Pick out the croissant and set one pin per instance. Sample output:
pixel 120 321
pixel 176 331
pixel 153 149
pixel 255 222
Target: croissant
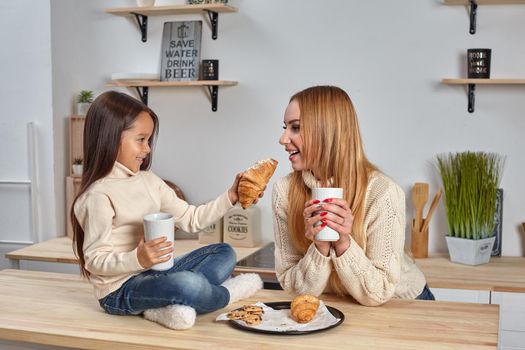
pixel 304 307
pixel 254 180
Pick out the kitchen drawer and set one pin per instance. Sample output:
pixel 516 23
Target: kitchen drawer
pixel 511 311
pixel 462 295
pixel 511 340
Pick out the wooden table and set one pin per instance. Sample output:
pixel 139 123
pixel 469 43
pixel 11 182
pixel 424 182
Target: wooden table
pixel 59 309
pixel 60 250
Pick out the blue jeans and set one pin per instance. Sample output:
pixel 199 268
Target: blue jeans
pixel 426 294
pixel 194 280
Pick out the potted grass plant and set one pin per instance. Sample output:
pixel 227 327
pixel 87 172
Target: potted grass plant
pixel 84 101
pixel 470 182
pixel 77 166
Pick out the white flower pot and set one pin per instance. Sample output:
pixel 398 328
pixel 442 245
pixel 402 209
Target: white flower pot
pixel 470 251
pixel 77 169
pixel 82 108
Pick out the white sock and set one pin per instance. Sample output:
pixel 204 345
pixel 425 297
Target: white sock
pixel 243 286
pixel 172 316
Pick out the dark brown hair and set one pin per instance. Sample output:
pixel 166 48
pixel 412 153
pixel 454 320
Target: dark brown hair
pixel 110 114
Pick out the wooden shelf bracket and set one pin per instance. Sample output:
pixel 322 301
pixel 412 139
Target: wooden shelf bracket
pixel 142 22
pixel 473 15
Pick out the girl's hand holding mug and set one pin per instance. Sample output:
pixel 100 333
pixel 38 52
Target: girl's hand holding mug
pixel 153 252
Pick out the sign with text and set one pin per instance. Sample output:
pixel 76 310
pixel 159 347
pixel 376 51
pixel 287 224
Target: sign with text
pixel 181 50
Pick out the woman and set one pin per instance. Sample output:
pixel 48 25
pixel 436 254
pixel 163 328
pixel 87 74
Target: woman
pixel 321 135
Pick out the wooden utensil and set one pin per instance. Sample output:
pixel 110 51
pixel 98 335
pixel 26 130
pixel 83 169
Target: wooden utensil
pixel 419 244
pixel 431 210
pixel 419 198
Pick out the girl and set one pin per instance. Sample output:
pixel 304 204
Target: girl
pixel 321 135
pixel 117 191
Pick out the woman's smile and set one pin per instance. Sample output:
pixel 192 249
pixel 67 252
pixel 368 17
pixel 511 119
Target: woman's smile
pixel 291 138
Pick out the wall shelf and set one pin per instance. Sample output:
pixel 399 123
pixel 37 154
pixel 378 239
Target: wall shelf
pixel 473 4
pixel 484 2
pixel 473 82
pixel 142 87
pixel 141 14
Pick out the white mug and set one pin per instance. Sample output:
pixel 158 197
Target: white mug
pixel 159 225
pixel 322 193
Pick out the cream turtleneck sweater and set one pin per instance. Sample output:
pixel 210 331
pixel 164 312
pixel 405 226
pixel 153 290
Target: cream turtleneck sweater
pixel 373 277
pixel 111 211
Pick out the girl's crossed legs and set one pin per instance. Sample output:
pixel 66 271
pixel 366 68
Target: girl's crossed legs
pixel 194 280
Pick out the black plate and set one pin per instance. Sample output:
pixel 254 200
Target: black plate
pixel 280 305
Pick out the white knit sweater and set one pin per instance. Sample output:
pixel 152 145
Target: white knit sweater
pixel 373 277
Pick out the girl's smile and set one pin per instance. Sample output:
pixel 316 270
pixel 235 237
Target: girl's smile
pixel 134 143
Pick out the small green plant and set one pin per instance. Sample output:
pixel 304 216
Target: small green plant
pixel 470 181
pixel 85 96
pixel 77 161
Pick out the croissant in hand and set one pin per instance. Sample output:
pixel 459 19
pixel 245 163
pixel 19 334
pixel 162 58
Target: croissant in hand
pixel 304 307
pixel 254 180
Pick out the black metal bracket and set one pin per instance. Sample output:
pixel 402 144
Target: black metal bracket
pixel 143 93
pixel 142 21
pixel 214 20
pixel 473 14
pixel 471 97
pixel 213 91
pixel 214 95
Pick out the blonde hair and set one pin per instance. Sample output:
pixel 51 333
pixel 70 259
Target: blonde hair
pixel 333 151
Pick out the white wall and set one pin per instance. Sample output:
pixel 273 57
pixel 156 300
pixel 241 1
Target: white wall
pixel 26 96
pixel 389 56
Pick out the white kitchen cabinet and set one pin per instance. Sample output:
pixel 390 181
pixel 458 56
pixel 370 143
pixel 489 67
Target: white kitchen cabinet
pixel 510 340
pixel 511 312
pixel 511 319
pixel 462 295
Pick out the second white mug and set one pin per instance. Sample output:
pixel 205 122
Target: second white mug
pixel 159 225
pixel 322 193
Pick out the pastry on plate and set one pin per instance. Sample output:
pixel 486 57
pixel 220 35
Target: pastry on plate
pixel 251 314
pixel 304 307
pixel 254 180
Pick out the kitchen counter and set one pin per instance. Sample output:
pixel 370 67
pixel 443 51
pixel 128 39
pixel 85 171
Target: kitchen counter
pixel 501 274
pixel 504 274
pixel 60 250
pixel 59 309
